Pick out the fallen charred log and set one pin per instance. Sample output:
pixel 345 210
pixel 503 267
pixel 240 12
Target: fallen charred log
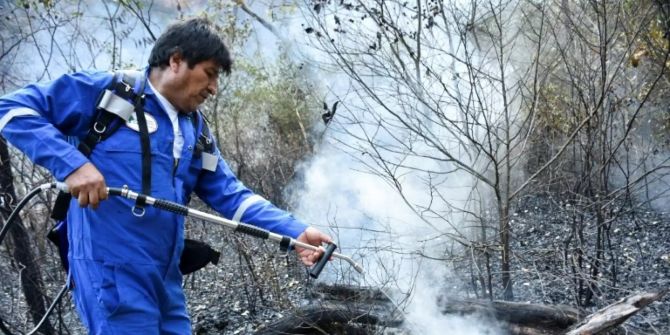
pixel 523 315
pixel 355 310
pixel 348 293
pixel 615 314
pixel 518 318
pixel 338 309
pixel 329 319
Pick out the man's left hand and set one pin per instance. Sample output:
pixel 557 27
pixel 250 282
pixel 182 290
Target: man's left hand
pixel 314 237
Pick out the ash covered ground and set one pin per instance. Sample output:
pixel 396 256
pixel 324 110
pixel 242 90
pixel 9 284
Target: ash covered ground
pixel 550 236
pixel 256 284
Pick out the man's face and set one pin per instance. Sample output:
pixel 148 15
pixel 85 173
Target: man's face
pixel 193 86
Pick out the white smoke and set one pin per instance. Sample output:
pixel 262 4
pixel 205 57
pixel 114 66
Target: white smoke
pixel 400 243
pixel 369 219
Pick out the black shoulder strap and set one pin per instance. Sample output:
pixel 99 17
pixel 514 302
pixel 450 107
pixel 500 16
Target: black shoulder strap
pixel 138 102
pixel 103 120
pixel 123 96
pixel 204 146
pixel 204 142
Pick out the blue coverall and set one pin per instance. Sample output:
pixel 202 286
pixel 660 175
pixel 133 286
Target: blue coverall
pixel 126 268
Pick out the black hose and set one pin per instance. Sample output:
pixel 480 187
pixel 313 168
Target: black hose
pixel 17 209
pixel 159 203
pixel 5 230
pixel 55 302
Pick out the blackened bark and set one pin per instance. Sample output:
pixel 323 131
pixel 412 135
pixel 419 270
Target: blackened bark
pixel 4 328
pixel 507 283
pixel 520 318
pixel 327 319
pixel 31 279
pixel 342 309
pixel 610 317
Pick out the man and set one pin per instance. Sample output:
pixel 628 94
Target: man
pixel 125 266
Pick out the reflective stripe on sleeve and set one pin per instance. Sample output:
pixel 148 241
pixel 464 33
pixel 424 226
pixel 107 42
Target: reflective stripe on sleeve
pixel 14 113
pixel 245 205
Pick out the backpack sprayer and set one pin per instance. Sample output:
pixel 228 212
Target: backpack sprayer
pixel 284 241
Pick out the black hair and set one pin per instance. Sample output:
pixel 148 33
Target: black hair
pixel 196 40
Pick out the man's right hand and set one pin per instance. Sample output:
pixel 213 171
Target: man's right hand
pixel 88 185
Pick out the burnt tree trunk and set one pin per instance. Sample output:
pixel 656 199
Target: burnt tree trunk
pixel 507 283
pixel 4 328
pixel 31 279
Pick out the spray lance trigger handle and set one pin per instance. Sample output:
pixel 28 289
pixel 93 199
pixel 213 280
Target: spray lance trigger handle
pixel 315 271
